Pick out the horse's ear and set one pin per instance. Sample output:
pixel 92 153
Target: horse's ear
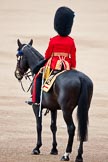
pixel 19 43
pixel 31 42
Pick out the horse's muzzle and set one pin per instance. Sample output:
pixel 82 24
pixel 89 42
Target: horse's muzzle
pixel 18 74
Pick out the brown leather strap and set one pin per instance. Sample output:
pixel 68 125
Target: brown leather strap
pixel 60 54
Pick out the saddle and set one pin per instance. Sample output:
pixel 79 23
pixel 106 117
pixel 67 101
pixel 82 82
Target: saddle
pixel 50 75
pixel 49 82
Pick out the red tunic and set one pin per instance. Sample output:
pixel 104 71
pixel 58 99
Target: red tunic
pixel 61 44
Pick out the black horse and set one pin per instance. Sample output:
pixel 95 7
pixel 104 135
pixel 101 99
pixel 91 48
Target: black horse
pixel 71 89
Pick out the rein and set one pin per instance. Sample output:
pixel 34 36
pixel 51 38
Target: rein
pixel 27 76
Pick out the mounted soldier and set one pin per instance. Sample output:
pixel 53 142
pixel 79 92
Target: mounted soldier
pixel 61 51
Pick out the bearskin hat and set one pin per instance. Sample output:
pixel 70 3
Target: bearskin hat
pixel 63 21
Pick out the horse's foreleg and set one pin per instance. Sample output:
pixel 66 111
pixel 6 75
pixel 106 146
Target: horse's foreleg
pixel 53 127
pixel 80 152
pixel 36 150
pixel 71 131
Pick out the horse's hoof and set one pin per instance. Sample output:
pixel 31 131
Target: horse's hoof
pixel 79 159
pixel 65 158
pixel 54 152
pixel 35 151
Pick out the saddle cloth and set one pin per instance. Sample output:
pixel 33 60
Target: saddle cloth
pixel 49 82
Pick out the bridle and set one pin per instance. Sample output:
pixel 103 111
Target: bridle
pixel 19 72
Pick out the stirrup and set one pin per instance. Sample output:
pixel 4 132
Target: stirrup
pixel 37 104
pixel 29 102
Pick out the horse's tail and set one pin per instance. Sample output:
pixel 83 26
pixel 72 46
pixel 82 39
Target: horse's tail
pixel 82 111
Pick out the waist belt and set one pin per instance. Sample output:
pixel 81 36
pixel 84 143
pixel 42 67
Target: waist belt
pixel 60 54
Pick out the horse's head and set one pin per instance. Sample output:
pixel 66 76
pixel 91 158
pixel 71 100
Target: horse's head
pixel 27 58
pixel 22 62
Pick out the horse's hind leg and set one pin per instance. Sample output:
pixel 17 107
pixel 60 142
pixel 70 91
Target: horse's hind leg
pixel 36 150
pixel 53 127
pixel 80 152
pixel 71 131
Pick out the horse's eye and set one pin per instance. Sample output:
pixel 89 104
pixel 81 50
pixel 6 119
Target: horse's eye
pixel 17 55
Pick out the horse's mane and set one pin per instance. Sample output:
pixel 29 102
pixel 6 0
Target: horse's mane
pixel 30 49
pixel 35 59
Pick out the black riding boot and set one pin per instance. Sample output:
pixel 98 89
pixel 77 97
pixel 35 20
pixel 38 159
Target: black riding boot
pixel 38 88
